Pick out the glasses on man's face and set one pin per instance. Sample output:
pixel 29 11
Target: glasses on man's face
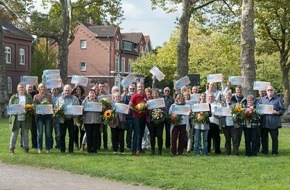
pixel 269 89
pixel 131 88
pixel 166 90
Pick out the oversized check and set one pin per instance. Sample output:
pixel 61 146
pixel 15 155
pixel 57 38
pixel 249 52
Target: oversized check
pixel 53 84
pixel 214 78
pixel 182 82
pixel 200 107
pixel 181 109
pixel 157 73
pixel 265 109
pixel 223 111
pixel 122 108
pixel 128 80
pixel 93 106
pixel 44 109
pixel 32 80
pixel 15 109
pixel 261 85
pixel 156 103
pixel 51 72
pixel 73 110
pixel 52 77
pixel 195 97
pixel 237 80
pixel 80 80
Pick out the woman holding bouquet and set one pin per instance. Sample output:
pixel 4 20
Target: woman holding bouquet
pixel 250 125
pixel 200 121
pixel 179 126
pixel 156 125
pixel 92 123
pixel 43 120
pixel 22 121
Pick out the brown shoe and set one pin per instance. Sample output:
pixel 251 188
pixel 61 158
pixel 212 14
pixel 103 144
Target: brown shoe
pixel 11 151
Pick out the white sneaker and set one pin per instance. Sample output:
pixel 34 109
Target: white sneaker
pixel 114 153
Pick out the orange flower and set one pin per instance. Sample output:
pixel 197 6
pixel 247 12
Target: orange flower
pixel 141 106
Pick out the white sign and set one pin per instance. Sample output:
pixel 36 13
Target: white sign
pixel 223 111
pixel 43 109
pixel 214 78
pixel 182 82
pixel 265 109
pixel 51 72
pixel 122 108
pixel 31 80
pixel 181 109
pixel 195 97
pixel 156 103
pixel 73 110
pixel 260 85
pixel 237 80
pixel 52 77
pixel 15 109
pixel 157 73
pixel 128 80
pixel 93 106
pixel 79 80
pixel 200 107
pixel 53 84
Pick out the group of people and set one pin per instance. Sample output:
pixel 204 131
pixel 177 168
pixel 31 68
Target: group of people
pixel 195 131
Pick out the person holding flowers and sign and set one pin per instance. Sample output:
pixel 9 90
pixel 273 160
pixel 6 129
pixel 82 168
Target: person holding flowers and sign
pixel 156 125
pixel 22 120
pixel 250 125
pixel 179 126
pixel 66 121
pixel 137 104
pixel 92 123
pixel 43 121
pixel 200 121
pixel 271 122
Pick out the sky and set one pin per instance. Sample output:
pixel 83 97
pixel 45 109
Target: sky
pixel 139 17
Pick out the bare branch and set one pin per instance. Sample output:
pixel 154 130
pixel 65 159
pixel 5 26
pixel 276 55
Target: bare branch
pixel 201 6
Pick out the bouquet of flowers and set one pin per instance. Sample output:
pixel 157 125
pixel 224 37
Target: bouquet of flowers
pixel 29 110
pixel 251 114
pixel 44 101
pixel 141 107
pixel 175 119
pixel 109 117
pixel 157 115
pixel 200 117
pixel 106 104
pixel 238 112
pixel 58 111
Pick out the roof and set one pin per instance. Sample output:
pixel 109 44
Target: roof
pixel 147 38
pixel 132 37
pixel 12 31
pixel 103 31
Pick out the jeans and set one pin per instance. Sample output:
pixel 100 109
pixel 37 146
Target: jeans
pixel 231 134
pixel 198 141
pixel 67 125
pixel 138 128
pixel 265 140
pixel 178 132
pixel 129 125
pixel 14 135
pixel 250 141
pixel 56 127
pixel 43 122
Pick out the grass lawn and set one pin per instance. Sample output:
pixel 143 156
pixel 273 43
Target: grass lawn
pixel 166 172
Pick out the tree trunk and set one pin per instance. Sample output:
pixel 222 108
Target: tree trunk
pixel 3 78
pixel 285 71
pixel 183 45
pixel 248 46
pixel 63 40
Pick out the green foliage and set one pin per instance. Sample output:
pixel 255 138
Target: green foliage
pixel 39 58
pixel 219 172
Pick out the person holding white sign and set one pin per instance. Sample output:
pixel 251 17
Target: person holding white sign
pixel 67 121
pixel 43 120
pixel 21 120
pixel 92 123
pixel 168 102
pixel 271 122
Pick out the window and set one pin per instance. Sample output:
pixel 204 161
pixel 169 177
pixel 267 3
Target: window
pixel 117 60
pixel 130 65
pixel 8 55
pixel 22 56
pixel 123 64
pixel 128 46
pixel 10 87
pixel 117 43
pixel 83 44
pixel 83 66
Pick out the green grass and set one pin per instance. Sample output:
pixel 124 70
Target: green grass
pixel 166 172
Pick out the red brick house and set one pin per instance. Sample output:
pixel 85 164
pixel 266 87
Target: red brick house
pixel 103 54
pixel 17 45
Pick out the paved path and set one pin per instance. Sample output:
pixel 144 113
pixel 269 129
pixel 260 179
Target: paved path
pixel 25 177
